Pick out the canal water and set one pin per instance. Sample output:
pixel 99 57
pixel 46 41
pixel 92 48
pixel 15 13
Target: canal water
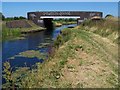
pixel 31 42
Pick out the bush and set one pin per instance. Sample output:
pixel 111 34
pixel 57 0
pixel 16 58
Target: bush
pixel 66 34
pixel 63 37
pixel 58 41
pixel 7 75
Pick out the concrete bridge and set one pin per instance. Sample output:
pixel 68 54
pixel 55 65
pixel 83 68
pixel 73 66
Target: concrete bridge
pixel 45 18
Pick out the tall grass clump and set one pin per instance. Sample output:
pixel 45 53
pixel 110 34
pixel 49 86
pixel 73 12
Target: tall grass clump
pixel 13 79
pixel 8 75
pixel 102 24
pixel 63 37
pixel 8 33
pixel 107 27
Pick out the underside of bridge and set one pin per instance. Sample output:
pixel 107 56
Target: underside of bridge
pixel 48 23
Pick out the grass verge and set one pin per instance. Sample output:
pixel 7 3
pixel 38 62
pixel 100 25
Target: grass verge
pixel 16 33
pixel 82 59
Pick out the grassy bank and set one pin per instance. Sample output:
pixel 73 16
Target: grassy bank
pixel 60 23
pixel 0 30
pixel 82 59
pixel 16 33
pixel 34 28
pixel 107 27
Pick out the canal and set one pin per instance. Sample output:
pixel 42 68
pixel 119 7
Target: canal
pixel 31 42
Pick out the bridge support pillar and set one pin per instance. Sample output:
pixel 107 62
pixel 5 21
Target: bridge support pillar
pixel 40 22
pixel 46 22
pixel 79 21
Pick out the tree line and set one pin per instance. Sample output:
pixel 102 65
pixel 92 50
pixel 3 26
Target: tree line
pixel 10 18
pixel 65 19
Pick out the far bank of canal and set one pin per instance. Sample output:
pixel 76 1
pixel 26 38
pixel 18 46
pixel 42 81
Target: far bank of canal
pixel 33 41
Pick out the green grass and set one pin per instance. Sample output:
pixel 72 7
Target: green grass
pixel 107 27
pixel 12 33
pixel 81 62
pixel 62 63
pixel 33 28
pixel 72 45
pixel 111 23
pixel 48 74
pixel 59 23
pixel 8 33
